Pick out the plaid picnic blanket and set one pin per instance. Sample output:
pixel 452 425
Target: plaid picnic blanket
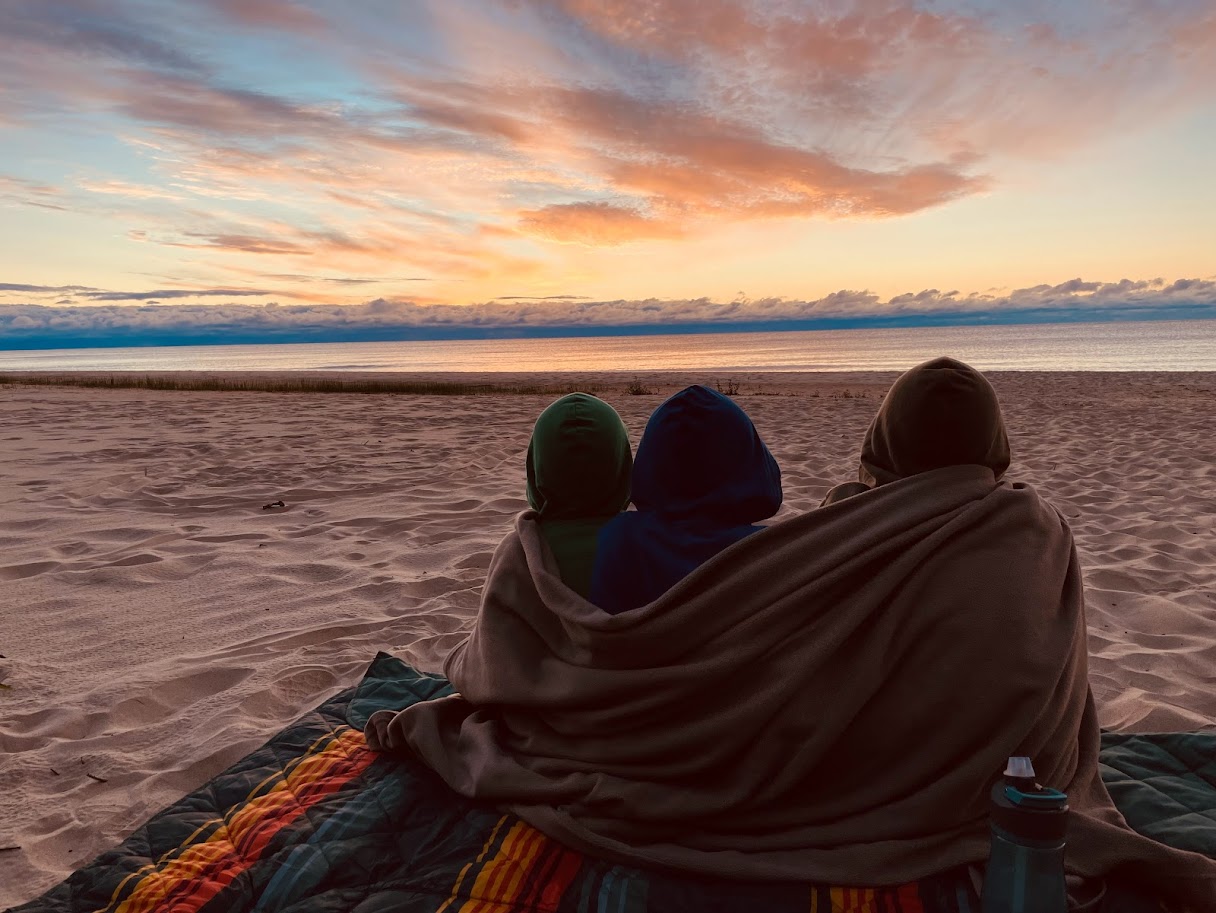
pixel 315 822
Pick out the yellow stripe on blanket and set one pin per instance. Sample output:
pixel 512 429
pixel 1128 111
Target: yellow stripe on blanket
pixel 469 866
pixel 498 883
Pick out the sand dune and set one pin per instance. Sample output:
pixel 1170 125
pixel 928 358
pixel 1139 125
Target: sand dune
pixel 157 623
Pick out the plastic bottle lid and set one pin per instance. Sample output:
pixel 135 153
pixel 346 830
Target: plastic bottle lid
pixel 1020 769
pixel 1024 809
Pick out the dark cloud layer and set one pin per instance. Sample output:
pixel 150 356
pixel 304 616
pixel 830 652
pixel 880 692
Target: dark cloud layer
pixel 23 325
pixel 43 289
pixel 168 294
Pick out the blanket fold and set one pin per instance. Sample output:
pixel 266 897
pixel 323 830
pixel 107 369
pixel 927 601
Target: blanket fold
pixel 827 700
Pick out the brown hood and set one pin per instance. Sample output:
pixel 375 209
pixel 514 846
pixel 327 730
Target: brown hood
pixel 941 413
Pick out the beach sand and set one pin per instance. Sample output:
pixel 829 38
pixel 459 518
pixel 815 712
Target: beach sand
pixel 157 624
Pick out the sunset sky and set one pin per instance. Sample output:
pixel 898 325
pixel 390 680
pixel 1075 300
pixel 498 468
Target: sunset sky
pixel 612 162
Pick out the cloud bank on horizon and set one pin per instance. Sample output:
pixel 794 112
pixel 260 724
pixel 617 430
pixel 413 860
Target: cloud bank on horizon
pixel 42 326
pixel 584 163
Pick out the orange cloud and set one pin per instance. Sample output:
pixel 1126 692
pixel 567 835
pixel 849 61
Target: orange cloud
pixel 596 224
pixel 689 159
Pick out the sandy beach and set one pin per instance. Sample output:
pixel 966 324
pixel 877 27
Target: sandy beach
pixel 158 624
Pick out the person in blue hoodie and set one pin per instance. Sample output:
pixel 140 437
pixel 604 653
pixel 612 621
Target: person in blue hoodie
pixel 702 480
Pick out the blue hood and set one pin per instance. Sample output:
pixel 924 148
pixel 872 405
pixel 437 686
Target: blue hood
pixel 702 458
pixel 701 479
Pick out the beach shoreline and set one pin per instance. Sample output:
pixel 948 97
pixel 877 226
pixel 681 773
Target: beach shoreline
pixel 160 623
pixel 625 382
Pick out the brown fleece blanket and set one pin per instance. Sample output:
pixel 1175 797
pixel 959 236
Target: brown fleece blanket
pixel 827 700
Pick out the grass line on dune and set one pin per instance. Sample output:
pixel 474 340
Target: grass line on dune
pixel 291 385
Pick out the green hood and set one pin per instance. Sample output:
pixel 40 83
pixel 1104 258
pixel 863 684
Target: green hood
pixel 579 462
pixel 579 471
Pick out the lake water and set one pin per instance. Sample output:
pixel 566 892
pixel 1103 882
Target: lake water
pixel 1146 346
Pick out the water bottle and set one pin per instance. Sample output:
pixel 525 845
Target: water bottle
pixel 1026 865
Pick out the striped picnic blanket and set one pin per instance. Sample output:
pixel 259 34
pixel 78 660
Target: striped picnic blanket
pixel 315 822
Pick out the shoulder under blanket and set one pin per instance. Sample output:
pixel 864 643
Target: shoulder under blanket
pixel 315 823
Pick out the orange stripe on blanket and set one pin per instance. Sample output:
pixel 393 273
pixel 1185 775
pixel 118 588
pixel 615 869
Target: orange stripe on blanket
pixel 203 870
pixel 500 882
pixel 853 900
pixel 904 899
pixel 512 850
pixel 142 871
pixel 504 888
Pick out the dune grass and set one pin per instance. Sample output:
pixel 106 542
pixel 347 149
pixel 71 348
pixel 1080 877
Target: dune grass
pixel 291 385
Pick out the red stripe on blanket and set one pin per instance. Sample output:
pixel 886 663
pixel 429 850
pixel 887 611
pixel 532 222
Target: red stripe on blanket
pixel 909 899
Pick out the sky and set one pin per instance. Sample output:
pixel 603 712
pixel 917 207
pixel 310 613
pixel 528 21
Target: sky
pixel 211 170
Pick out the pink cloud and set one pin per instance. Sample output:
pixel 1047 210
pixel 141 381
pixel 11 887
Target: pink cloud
pixel 127 189
pixel 920 79
pixel 202 108
pixel 274 15
pixel 24 192
pixel 249 244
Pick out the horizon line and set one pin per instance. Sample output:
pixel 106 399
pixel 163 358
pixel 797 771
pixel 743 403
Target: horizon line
pixel 225 335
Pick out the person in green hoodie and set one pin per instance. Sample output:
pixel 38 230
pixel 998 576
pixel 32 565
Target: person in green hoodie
pixel 579 472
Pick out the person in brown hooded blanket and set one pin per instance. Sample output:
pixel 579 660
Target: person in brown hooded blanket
pixel 940 413
pixel 830 699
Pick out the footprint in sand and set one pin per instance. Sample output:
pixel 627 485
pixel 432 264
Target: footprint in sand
pixel 135 560
pixel 73 549
pixel 33 569
pixel 236 537
pixel 289 691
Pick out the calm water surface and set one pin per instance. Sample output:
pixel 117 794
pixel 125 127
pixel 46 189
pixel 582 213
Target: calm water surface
pixel 1149 346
